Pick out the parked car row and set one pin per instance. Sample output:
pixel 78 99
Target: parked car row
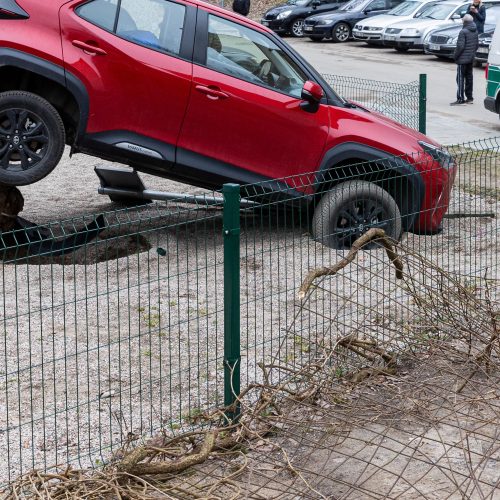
pixel 429 25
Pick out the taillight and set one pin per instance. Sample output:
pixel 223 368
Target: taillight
pixel 486 70
pixel 10 9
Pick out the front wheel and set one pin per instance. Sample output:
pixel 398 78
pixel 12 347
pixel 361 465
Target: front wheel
pixel 32 138
pixel 350 209
pixel 341 32
pixel 297 28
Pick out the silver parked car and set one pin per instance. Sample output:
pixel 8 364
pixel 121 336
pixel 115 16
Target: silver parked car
pixel 410 34
pixel 370 30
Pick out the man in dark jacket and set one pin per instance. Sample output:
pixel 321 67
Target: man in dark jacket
pixel 478 12
pixel 467 44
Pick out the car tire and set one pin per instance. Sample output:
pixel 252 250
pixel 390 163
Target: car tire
pixel 317 38
pixel 341 32
pixel 350 209
pixel 401 49
pixel 32 138
pixel 297 28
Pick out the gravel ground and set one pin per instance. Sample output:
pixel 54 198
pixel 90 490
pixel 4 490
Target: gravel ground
pixel 99 345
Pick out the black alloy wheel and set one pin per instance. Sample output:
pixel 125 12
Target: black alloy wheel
pixel 32 138
pixel 341 32
pixel 350 209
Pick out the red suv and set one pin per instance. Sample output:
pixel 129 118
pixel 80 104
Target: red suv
pixel 185 90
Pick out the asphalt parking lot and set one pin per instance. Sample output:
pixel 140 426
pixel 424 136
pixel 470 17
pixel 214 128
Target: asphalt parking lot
pixel 447 124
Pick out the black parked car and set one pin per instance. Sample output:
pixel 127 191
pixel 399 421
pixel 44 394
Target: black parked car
pixel 289 18
pixel 443 41
pixel 484 45
pixel 338 24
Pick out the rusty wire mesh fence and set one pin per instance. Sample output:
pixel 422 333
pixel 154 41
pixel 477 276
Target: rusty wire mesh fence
pixel 123 338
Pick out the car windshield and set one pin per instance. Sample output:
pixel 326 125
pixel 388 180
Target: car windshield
pixel 404 9
pixel 297 2
pixel 354 5
pixel 437 11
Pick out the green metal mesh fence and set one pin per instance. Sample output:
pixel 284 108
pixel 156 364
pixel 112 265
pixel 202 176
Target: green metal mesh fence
pixel 402 102
pixel 125 335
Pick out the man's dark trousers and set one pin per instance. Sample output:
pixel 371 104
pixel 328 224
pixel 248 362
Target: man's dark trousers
pixel 464 81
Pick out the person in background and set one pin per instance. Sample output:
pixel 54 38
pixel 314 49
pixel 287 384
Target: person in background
pixel 478 12
pixel 241 7
pixel 465 51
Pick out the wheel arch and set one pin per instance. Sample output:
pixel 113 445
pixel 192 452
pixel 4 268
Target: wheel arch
pixel 21 71
pixel 399 178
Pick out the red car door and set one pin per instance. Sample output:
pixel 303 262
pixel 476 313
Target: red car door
pixel 134 60
pixel 245 107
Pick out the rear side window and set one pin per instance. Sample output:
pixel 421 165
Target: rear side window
pixel 156 24
pixel 102 13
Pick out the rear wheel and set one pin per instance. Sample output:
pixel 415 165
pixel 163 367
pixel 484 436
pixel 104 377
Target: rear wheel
pixel 32 138
pixel 341 32
pixel 297 28
pixel 350 209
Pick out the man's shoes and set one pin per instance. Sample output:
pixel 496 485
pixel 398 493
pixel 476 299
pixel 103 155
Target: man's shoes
pixel 457 103
pixel 469 101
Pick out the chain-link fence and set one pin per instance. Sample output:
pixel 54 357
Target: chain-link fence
pixel 139 321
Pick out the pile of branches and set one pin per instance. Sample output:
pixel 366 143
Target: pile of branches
pixel 400 400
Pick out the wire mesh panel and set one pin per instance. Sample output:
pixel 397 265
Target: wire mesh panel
pixel 107 343
pixel 399 101
pixel 311 222
pixel 110 338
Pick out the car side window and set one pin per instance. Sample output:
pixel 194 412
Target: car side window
pixel 101 13
pixel 155 24
pixel 462 10
pixel 249 55
pixel 394 3
pixel 377 5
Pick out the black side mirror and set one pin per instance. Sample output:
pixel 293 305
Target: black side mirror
pixel 316 4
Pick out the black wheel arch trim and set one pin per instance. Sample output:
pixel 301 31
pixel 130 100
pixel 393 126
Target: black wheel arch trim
pixel 54 72
pixel 370 155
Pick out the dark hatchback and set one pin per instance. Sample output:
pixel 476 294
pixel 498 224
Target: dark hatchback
pixel 442 42
pixel 484 45
pixel 338 25
pixel 289 18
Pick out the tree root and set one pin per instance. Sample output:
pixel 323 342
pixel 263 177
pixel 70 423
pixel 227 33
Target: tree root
pixel 370 236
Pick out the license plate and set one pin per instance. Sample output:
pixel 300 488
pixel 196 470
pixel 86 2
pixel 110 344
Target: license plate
pixel 308 28
pixel 483 50
pixel 390 37
pixel 433 46
pixel 265 23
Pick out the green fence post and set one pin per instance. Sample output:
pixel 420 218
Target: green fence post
pixel 422 103
pixel 232 355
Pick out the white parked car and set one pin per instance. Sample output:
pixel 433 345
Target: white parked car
pixel 370 30
pixel 410 34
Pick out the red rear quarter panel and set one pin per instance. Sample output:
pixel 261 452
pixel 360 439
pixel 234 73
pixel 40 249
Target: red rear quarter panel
pixel 39 35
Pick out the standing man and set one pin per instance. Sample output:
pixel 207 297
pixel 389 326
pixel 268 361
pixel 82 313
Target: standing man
pixel 478 12
pixel 467 44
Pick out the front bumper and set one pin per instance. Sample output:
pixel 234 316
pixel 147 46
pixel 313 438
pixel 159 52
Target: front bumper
pixel 318 30
pixel 367 36
pixel 438 183
pixel 278 26
pixel 403 42
pixel 490 104
pixel 439 50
